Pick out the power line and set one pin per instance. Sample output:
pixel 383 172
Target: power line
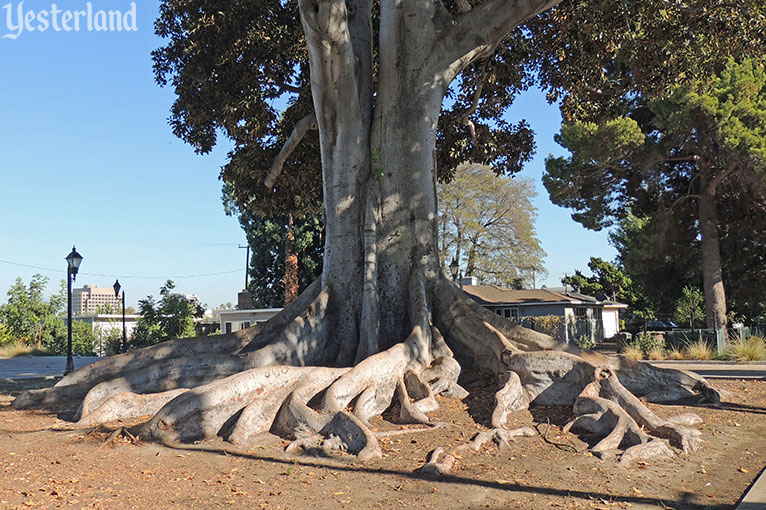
pixel 201 275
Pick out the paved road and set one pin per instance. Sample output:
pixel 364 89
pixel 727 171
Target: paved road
pixel 23 367
pixel 26 367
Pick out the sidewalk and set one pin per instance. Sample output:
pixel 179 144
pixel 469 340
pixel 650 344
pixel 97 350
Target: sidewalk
pixel 717 369
pixel 34 367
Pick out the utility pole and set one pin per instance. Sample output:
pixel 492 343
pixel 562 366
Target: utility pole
pixel 247 263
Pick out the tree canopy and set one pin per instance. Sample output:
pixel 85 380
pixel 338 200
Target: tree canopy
pixel 668 151
pixel 486 223
pixel 170 317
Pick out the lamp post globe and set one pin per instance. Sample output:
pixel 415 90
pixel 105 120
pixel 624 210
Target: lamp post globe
pixel 73 261
pixel 453 268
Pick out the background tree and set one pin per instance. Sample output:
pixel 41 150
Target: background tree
pixel 268 240
pixel 29 319
pixel 689 307
pixel 486 222
pixel 660 254
pixel 170 317
pixel 26 312
pixel 668 150
pixel 607 280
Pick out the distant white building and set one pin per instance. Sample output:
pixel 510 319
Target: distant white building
pixel 104 325
pixel 89 298
pixel 234 320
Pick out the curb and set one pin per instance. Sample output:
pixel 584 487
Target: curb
pixel 755 497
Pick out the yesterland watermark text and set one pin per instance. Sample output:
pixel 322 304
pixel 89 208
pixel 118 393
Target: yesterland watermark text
pixel 17 19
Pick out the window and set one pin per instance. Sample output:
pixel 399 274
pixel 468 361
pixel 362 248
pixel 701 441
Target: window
pixel 228 327
pixel 508 313
pixel 581 312
pixel 245 324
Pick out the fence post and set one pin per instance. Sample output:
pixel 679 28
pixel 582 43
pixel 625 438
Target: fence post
pixel 720 335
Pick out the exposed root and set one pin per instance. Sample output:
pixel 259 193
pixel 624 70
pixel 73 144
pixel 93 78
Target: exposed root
pixel 391 433
pixel 606 409
pixel 118 433
pixel 75 386
pixel 202 412
pixel 268 412
pixel 125 407
pixel 270 378
pixel 510 398
pixel 440 462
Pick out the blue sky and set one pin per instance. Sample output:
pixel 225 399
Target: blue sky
pixel 87 158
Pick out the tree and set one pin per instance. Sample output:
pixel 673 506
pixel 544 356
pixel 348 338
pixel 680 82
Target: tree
pixel 171 317
pixel 607 279
pixel 272 256
pixel 666 151
pixel 488 220
pixel 83 337
pixel 660 254
pixel 383 322
pixel 27 316
pixel 689 306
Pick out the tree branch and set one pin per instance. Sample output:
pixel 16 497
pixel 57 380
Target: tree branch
pixel 299 131
pixel 479 30
pixel 464 118
pixel 718 179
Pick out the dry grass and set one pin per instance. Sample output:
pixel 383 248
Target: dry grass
pixel 675 354
pixel 698 350
pixel 21 349
pixel 656 354
pixel 632 352
pixel 751 349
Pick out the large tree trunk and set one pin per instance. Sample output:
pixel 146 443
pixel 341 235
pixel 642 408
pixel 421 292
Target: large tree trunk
pixel 378 312
pixel 712 273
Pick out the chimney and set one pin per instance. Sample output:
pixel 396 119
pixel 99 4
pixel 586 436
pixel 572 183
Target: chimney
pixel 245 300
pixel 469 280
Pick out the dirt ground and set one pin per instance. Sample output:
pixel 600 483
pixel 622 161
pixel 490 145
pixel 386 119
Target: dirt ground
pixel 43 468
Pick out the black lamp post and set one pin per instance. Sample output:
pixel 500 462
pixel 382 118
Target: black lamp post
pixel 117 287
pixel 73 261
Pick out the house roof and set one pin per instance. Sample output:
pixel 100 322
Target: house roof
pixel 494 295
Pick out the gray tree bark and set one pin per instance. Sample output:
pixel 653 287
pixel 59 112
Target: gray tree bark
pixel 712 272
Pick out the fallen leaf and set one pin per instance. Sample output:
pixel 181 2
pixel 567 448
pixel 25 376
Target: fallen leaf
pixel 743 470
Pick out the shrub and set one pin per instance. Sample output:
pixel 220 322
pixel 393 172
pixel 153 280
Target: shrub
pixel 656 354
pixel 5 335
pixel 11 350
pixel 675 354
pixel 698 350
pixel 82 339
pixel 751 349
pixel 647 342
pixel 548 324
pixel 585 342
pixel 633 352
